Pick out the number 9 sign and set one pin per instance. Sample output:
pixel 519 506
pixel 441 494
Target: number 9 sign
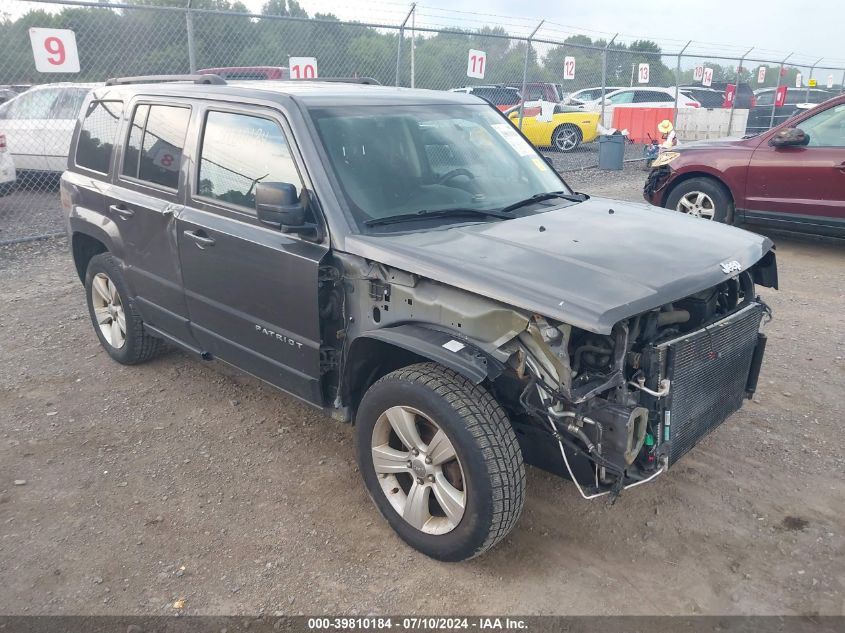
pixel 54 50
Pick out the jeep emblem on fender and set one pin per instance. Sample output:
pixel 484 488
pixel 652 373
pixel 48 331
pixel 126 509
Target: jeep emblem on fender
pixel 732 266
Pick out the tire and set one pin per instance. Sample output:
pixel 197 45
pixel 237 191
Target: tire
pixel 483 484
pixel 566 138
pixel 117 317
pixel 703 197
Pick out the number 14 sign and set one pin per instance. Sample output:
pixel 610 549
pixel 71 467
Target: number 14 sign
pixel 54 50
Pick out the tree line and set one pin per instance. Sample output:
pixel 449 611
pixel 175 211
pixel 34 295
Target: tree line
pixel 153 40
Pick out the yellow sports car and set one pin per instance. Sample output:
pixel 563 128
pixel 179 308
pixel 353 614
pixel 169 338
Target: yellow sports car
pixel 564 130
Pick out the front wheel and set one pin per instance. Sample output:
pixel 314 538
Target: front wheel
pixel 566 138
pixel 703 198
pixel 440 460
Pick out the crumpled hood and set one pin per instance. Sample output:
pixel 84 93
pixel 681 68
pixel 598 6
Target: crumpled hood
pixel 581 264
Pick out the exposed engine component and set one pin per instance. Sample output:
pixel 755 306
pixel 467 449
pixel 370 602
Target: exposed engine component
pixel 607 398
pixel 620 430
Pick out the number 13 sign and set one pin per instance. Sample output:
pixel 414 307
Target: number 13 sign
pixel 54 50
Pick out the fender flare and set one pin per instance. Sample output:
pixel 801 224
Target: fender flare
pixel 439 346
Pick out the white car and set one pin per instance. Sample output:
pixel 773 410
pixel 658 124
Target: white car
pixel 8 175
pixel 580 97
pixel 640 97
pixel 38 125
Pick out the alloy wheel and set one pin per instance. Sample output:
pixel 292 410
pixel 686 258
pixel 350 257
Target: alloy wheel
pixel 418 470
pixel 566 139
pixel 108 310
pixel 697 204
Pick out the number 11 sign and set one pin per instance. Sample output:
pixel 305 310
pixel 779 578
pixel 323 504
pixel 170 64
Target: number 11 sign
pixel 54 50
pixel 476 64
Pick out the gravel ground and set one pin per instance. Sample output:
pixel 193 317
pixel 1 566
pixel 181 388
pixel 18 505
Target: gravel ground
pixel 123 489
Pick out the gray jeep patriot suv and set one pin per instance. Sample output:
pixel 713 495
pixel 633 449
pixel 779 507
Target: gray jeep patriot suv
pixel 406 261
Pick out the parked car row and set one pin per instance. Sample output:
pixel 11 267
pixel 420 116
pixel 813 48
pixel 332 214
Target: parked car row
pixel 790 177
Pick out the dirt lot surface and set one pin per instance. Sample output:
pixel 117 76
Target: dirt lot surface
pixel 124 489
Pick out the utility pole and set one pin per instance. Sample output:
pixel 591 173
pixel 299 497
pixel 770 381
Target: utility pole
pixel 525 72
pixel 812 68
pixel 678 84
pixel 189 27
pixel 604 74
pixel 736 90
pixel 401 37
pixel 780 73
pixel 413 44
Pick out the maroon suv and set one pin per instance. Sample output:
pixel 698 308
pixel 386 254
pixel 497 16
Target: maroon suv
pixel 790 177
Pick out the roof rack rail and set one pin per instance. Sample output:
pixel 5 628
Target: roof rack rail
pixel 149 79
pixel 369 81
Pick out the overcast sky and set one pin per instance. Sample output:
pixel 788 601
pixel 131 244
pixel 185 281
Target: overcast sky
pixel 811 29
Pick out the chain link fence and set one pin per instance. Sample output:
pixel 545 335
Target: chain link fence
pixel 516 65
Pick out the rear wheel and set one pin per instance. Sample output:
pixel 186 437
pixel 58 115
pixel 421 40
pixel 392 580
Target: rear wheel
pixel 116 322
pixel 440 460
pixel 703 198
pixel 566 137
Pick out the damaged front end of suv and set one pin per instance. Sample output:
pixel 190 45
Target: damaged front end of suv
pixel 621 408
pixel 608 410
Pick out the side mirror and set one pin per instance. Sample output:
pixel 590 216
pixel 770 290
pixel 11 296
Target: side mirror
pixel 790 137
pixel 277 205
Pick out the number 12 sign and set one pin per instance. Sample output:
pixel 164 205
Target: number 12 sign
pixel 54 50
pixel 476 64
pixel 303 67
pixel 569 68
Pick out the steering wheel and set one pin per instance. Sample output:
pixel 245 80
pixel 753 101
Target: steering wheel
pixel 460 171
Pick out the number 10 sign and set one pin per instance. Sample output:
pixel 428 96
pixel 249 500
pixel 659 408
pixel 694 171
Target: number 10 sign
pixel 54 50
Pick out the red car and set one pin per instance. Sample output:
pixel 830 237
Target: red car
pixel 790 177
pixel 248 72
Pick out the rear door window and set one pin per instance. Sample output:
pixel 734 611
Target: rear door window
pixel 652 96
pixel 156 140
pixel 622 97
pixel 98 134
pixel 69 103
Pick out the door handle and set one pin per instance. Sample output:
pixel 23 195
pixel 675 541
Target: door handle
pixel 122 211
pixel 840 166
pixel 203 241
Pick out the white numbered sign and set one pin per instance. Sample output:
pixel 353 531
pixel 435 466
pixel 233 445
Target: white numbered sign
pixel 707 79
pixel 569 68
pixel 476 64
pixel 830 81
pixel 698 73
pixel 761 74
pixel 798 80
pixel 642 74
pixel 54 50
pixel 303 67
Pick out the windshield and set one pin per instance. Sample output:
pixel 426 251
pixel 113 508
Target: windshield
pixel 426 160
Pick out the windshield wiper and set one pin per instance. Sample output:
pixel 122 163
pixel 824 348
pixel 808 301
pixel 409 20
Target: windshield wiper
pixel 425 214
pixel 539 197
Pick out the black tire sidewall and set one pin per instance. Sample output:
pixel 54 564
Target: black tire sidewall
pixel 105 263
pixel 717 192
pixel 471 533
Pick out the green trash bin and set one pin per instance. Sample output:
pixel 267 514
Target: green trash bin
pixel 611 152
